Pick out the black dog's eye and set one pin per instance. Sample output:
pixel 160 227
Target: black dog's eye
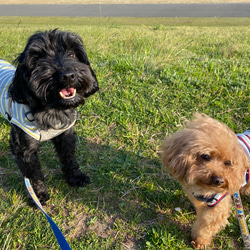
pixel 205 157
pixel 227 163
pixel 72 55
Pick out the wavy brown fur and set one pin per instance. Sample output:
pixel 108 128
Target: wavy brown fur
pixel 206 158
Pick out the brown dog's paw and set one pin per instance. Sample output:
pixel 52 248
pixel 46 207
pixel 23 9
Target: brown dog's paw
pixel 201 242
pixel 196 245
pixel 77 179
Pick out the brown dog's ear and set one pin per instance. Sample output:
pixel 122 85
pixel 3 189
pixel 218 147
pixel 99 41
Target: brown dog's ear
pixel 174 155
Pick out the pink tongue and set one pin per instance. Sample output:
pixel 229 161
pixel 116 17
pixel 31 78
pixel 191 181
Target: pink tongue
pixel 68 91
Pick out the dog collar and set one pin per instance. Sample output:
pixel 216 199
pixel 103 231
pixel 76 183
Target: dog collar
pixel 214 200
pixel 211 201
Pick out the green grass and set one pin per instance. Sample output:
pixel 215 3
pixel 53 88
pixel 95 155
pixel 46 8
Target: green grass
pixel 153 75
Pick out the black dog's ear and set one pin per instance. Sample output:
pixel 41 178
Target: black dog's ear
pixel 19 89
pixel 93 74
pixel 82 55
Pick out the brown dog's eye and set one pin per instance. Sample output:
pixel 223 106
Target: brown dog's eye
pixel 227 163
pixel 205 157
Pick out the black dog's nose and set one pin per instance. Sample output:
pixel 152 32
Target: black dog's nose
pixel 67 77
pixel 218 181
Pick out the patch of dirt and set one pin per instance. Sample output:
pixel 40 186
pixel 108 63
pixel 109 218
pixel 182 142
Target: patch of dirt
pixel 131 243
pixel 85 223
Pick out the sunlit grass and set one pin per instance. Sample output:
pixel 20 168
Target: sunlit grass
pixel 152 78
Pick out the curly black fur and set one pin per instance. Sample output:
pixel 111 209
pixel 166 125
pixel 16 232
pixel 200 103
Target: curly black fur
pixel 52 62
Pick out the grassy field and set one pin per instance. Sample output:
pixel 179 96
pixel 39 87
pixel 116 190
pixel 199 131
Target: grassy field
pixel 153 75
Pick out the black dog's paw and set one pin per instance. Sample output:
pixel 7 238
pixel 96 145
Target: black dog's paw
pixel 41 191
pixel 42 198
pixel 77 179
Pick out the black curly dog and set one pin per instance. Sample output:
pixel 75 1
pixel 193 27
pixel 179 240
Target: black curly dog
pixel 52 78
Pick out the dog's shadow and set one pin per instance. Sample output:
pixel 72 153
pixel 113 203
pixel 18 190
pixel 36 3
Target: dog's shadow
pixel 124 185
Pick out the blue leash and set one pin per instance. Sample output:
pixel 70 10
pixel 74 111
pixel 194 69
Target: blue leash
pixel 59 236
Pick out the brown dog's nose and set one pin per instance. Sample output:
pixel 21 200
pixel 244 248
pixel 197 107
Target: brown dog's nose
pixel 217 181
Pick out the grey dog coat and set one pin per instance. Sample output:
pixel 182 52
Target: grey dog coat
pixel 20 114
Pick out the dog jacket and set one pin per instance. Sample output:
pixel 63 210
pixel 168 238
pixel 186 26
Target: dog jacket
pixel 244 140
pixel 20 114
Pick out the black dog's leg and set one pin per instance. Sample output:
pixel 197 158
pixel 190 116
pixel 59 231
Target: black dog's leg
pixel 65 145
pixel 25 149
